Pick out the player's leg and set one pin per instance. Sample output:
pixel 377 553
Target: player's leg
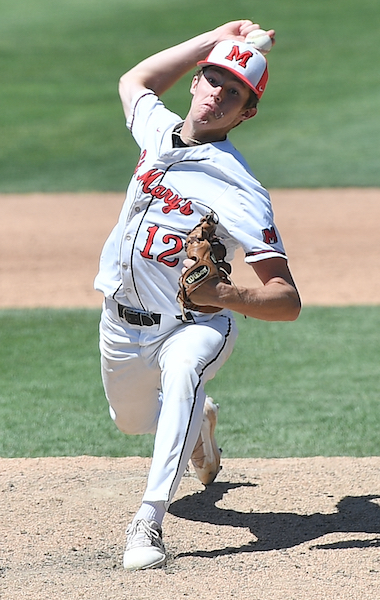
pixel 131 386
pixel 131 382
pixel 189 356
pixel 188 359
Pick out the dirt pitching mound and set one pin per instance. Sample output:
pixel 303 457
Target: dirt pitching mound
pixel 286 529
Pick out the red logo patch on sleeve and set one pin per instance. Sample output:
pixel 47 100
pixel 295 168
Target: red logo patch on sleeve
pixel 270 236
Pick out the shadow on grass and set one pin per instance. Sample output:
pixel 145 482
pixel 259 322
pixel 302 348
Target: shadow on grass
pixel 276 531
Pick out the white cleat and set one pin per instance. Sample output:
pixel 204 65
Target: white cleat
pixel 144 549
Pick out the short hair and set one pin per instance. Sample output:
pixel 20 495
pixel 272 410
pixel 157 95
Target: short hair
pixel 253 99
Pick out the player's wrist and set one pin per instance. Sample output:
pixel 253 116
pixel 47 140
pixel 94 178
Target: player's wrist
pixel 225 295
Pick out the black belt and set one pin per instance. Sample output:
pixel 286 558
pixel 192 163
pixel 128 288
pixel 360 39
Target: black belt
pixel 137 317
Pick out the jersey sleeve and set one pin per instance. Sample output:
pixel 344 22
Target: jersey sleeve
pixel 149 118
pixel 253 226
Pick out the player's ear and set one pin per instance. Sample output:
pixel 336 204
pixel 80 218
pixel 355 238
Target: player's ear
pixel 194 84
pixel 249 113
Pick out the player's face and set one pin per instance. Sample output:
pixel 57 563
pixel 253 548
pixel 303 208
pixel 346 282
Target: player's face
pixel 219 101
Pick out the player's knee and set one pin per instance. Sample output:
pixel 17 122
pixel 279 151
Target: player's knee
pixel 131 426
pixel 181 378
pixel 181 366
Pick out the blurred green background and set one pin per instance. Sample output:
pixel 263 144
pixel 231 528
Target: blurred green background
pixel 61 124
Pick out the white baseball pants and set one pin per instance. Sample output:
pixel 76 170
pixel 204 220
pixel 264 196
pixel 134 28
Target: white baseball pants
pixel 154 381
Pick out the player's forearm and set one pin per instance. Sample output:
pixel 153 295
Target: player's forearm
pixel 275 301
pixel 160 71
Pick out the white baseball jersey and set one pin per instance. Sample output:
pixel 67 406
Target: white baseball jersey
pixel 171 189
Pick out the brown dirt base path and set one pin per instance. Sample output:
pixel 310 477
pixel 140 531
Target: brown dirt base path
pixel 50 246
pixel 283 529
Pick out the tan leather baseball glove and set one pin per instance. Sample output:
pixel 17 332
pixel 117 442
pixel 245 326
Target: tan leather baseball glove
pixel 208 254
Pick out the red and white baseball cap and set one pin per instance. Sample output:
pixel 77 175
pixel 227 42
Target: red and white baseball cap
pixel 243 60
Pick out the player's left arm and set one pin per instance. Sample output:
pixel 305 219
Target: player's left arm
pixel 276 300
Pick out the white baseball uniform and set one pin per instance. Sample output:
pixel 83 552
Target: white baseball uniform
pixel 155 364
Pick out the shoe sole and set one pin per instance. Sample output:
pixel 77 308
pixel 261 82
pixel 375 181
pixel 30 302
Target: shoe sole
pixel 143 558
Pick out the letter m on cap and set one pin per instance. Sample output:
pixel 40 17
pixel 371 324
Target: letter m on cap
pixel 241 57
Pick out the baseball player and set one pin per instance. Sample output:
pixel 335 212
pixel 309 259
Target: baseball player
pixel 167 323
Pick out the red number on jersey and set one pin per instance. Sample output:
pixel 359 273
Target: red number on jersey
pixel 163 256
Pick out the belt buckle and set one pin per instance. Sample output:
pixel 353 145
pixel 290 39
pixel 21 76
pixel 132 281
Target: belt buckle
pixel 128 315
pixel 147 319
pixel 135 317
pixel 132 317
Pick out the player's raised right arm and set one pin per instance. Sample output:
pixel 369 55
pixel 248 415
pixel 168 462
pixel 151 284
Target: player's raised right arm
pixel 160 71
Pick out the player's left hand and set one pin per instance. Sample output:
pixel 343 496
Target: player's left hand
pixel 204 268
pixel 206 295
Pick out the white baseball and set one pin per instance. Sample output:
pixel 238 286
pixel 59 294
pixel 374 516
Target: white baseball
pixel 260 40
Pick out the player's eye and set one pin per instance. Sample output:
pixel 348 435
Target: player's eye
pixel 212 81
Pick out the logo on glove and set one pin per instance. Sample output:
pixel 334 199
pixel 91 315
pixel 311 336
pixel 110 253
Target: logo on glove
pixel 197 274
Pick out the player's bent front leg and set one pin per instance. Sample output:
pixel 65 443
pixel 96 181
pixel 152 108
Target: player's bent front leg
pixel 130 385
pixel 189 358
pixel 133 395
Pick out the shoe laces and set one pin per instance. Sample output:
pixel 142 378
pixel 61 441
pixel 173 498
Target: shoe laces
pixel 142 533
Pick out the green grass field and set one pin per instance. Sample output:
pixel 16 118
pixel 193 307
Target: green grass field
pixel 62 127
pixel 290 389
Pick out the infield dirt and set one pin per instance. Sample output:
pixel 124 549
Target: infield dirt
pixel 50 246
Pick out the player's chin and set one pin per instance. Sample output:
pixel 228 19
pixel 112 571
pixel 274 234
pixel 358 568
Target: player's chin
pixel 203 120
pixel 205 114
